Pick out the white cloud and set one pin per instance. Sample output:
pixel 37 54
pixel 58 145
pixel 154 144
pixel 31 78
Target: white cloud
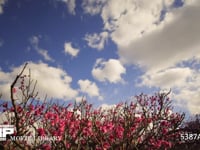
pixel 158 46
pixel 34 40
pixel 189 92
pixel 45 54
pixel 177 41
pixel 184 82
pixel 189 99
pixel 86 86
pixel 190 2
pixel 131 19
pixel 110 70
pixel 96 40
pixel 169 78
pixel 107 107
pixel 69 49
pixel 168 3
pixel 2 3
pixel 92 7
pixel 52 81
pixel 80 98
pixel 137 30
pixel 71 5
pixel 160 51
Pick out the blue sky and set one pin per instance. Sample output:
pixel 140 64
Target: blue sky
pixel 105 50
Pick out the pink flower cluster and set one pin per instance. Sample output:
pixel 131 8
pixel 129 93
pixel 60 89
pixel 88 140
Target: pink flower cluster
pixel 144 124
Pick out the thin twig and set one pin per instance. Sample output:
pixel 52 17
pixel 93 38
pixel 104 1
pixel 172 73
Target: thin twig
pixel 13 99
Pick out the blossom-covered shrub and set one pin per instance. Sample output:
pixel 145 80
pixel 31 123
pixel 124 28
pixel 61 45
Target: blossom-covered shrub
pixel 147 122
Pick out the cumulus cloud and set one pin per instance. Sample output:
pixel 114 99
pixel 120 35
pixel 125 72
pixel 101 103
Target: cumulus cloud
pixel 34 40
pixel 107 107
pixel 189 99
pixel 89 87
pixel 189 2
pixel 2 3
pixel 80 98
pixel 161 47
pixel 110 70
pixel 157 37
pixel 53 82
pixel 96 41
pixel 184 82
pixel 168 3
pixel 131 19
pixel 71 5
pixel 69 49
pixel 177 41
pixel 189 92
pixel 169 78
pixel 92 7
pixel 137 30
pixel 45 54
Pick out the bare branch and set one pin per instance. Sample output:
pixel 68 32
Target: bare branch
pixel 12 96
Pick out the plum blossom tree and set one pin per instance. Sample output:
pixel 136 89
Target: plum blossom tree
pixel 147 122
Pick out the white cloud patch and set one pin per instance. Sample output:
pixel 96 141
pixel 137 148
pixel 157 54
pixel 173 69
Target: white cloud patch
pixel 107 107
pixel 184 82
pixel 189 92
pixel 2 3
pixel 92 7
pixel 137 30
pixel 34 40
pixel 71 5
pixel 169 78
pixel 45 54
pixel 52 81
pixel 69 49
pixel 80 98
pixel 89 87
pixel 189 2
pixel 96 41
pixel 110 70
pixel 177 41
pixel 131 19
pixel 168 3
pixel 189 99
